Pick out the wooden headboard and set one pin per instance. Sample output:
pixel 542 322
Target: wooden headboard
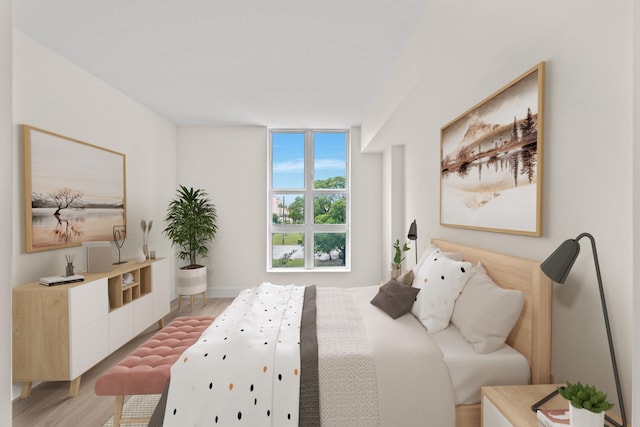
pixel 531 335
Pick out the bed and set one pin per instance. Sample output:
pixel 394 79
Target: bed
pixel 392 376
pixel 531 335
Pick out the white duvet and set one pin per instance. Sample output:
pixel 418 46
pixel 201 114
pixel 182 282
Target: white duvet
pixel 244 369
pixel 373 370
pixel 414 387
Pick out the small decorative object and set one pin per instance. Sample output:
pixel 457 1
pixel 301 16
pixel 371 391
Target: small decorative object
pixel 152 254
pixel 140 256
pixel 146 228
pixel 587 405
pixel 69 271
pixel 119 235
pixel 396 266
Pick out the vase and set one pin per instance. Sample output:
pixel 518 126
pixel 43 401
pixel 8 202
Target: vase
pixel 140 256
pixel 585 418
pixel 396 270
pixel 145 250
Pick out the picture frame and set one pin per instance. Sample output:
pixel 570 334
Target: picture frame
pixel 491 161
pixel 74 192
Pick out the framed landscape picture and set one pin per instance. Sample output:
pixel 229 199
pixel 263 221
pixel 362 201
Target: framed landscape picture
pixel 491 161
pixel 74 191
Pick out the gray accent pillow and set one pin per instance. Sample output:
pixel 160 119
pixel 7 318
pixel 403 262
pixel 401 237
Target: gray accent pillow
pixel 406 278
pixel 485 313
pixel 394 298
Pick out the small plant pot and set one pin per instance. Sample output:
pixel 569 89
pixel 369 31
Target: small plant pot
pixel 396 270
pixel 192 281
pixel 585 418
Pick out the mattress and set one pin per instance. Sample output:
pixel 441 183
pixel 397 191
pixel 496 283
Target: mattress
pixel 469 371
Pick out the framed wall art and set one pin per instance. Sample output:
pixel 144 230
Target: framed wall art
pixel 491 161
pixel 74 192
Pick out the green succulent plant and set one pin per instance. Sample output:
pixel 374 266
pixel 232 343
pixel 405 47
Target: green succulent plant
pixel 397 257
pixel 585 397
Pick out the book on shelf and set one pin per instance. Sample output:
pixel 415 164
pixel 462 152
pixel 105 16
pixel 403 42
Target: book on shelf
pixel 553 417
pixel 60 280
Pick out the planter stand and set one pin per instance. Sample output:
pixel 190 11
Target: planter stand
pixel 192 282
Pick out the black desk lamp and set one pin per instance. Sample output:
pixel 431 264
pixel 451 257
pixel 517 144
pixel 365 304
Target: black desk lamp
pixel 557 268
pixel 413 235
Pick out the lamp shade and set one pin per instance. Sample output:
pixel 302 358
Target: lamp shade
pixel 413 231
pixel 558 265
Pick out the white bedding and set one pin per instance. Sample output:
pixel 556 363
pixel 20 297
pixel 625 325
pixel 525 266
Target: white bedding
pixel 414 388
pixel 245 366
pixel 372 369
pixel 469 370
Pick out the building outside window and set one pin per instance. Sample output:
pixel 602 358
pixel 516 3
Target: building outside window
pixel 308 200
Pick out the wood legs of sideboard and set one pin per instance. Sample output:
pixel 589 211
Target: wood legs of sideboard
pixel 26 390
pixel 74 388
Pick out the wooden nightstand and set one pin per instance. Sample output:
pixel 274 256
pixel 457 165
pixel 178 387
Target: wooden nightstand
pixel 507 406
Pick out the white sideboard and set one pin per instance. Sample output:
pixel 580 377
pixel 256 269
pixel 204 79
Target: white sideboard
pixel 60 332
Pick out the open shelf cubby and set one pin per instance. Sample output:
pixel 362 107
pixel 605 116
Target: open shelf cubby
pixel 128 282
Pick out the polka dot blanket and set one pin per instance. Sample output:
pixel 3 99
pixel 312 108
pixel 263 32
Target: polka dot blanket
pixel 245 368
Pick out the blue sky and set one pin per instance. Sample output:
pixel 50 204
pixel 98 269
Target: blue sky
pixel 288 157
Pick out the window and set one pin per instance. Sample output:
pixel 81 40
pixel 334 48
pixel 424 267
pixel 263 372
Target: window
pixel 308 200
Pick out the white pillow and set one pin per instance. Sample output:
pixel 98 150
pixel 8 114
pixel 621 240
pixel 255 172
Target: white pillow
pixel 430 250
pixel 485 313
pixel 440 280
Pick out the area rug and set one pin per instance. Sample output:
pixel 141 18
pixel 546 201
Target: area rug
pixel 137 406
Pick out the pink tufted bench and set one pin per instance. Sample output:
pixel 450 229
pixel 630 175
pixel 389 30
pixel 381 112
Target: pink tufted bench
pixel 146 370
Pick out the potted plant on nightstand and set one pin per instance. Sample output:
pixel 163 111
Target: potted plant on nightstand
pixel 587 405
pixel 396 265
pixel 191 226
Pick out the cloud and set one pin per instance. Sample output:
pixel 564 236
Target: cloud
pixel 330 164
pixel 292 166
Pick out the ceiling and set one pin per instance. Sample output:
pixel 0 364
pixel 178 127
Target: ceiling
pixel 278 63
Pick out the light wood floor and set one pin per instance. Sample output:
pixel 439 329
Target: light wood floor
pixel 50 404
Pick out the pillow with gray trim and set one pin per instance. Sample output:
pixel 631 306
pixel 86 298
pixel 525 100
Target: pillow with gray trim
pixel 406 278
pixel 395 299
pixel 485 313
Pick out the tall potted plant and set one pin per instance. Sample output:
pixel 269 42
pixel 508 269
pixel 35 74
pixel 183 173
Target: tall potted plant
pixel 191 226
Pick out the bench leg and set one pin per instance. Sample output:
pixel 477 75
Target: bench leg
pixel 26 390
pixel 74 387
pixel 117 416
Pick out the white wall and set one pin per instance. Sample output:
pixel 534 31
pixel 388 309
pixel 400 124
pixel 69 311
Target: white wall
pixel 230 163
pixel 5 212
pixel 52 93
pixel 460 53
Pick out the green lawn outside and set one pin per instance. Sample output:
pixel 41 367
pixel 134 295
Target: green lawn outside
pixel 289 238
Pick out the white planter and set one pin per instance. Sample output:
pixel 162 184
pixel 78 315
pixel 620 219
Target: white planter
pixel 396 270
pixel 192 281
pixel 585 418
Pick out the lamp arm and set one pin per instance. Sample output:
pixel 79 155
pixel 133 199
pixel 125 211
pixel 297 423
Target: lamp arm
pixel 607 326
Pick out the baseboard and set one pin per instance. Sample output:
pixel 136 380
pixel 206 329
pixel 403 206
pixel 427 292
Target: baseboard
pixel 222 293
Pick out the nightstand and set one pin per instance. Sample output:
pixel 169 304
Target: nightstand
pixel 510 406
